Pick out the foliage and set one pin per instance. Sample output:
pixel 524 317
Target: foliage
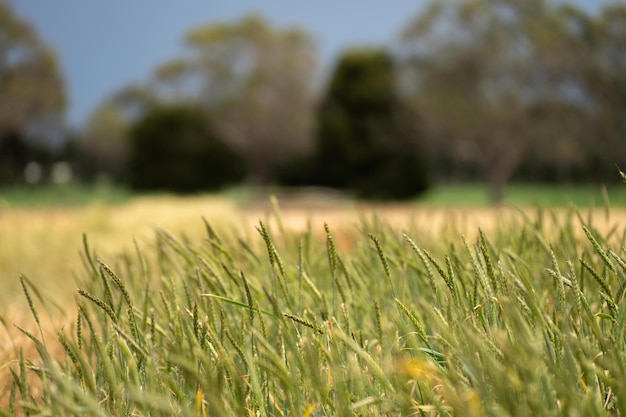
pixel 605 74
pixel 100 150
pixel 250 81
pixel 14 155
pixel 362 140
pixel 255 81
pixel 32 95
pixel 504 84
pixel 173 148
pixel 103 146
pixel 16 152
pixel 526 321
pixel 492 90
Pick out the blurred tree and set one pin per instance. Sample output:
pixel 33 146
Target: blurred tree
pixel 606 78
pixel 172 148
pixel 32 95
pixel 559 152
pixel 362 140
pixel 496 80
pixel 102 150
pixel 14 155
pixel 133 102
pixel 103 146
pixel 255 83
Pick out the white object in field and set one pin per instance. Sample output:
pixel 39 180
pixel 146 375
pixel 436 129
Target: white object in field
pixel 33 173
pixel 62 173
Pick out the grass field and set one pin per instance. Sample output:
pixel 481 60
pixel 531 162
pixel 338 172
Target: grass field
pixel 529 195
pixel 42 228
pixel 70 196
pixel 467 195
pixel 385 310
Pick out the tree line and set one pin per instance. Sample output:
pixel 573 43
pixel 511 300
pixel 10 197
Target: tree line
pixel 472 90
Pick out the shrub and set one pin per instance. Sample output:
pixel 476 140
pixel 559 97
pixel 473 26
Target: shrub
pixel 13 157
pixel 174 148
pixel 363 142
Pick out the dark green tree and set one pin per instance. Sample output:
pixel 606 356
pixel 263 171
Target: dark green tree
pixel 365 142
pixel 173 148
pixel 14 155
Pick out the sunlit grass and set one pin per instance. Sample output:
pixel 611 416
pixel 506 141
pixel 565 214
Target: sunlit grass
pixel 62 196
pixel 373 316
pixel 443 195
pixel 477 195
pixel 43 243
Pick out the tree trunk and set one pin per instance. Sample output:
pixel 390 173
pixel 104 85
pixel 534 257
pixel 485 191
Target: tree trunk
pixel 499 166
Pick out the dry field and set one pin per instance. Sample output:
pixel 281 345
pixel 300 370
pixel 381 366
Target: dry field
pixel 44 244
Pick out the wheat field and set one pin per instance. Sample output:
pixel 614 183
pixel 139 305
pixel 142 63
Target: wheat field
pixel 44 244
pixel 42 258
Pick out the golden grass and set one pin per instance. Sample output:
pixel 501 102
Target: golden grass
pixel 44 244
pixel 13 341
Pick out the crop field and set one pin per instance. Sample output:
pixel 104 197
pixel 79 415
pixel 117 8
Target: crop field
pixel 205 307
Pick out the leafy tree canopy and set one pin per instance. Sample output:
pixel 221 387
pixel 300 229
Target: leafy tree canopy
pixel 173 148
pixel 363 140
pixel 32 94
pixel 500 82
pixel 254 81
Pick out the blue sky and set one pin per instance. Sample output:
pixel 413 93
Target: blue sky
pixel 104 45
